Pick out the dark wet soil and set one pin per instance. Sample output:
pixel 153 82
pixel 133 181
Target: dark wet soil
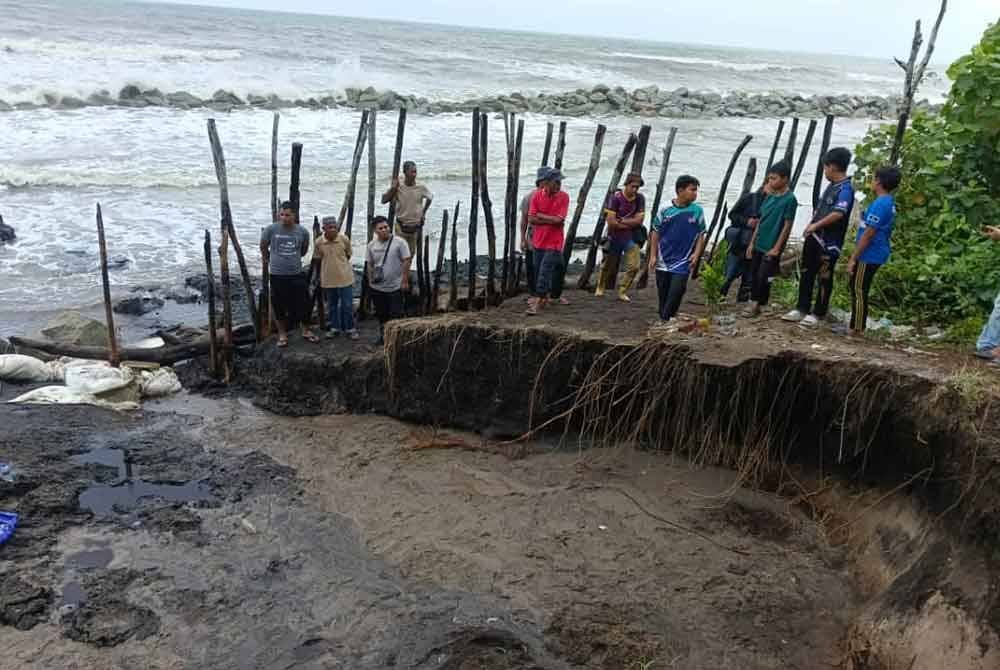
pixel 332 542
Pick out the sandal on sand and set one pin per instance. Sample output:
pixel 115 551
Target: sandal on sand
pixel 531 311
pixel 311 337
pixel 564 301
pixel 282 342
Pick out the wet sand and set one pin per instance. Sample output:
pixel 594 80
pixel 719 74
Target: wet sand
pixel 331 542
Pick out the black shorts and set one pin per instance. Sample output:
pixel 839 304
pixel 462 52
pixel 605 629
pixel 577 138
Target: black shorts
pixel 288 298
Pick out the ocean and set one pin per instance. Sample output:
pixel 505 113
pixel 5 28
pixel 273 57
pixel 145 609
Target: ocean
pixel 151 169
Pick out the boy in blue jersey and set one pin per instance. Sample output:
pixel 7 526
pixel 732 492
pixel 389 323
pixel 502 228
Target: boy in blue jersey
pixel 676 243
pixel 871 248
pixel 823 240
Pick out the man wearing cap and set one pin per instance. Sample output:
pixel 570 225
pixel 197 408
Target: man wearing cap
pixel 527 230
pixel 624 213
pixel 547 216
pixel 336 278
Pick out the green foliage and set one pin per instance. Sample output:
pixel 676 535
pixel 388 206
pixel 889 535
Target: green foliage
pixel 942 269
pixel 713 275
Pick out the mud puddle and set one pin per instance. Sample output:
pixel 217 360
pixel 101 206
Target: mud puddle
pixel 332 542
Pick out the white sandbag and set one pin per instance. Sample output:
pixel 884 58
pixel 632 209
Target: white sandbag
pixel 63 395
pixel 148 343
pixel 20 368
pixel 159 383
pixel 96 378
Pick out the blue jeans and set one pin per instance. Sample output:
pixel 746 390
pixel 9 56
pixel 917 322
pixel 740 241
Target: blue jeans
pixel 737 265
pixel 339 308
pixel 990 337
pixel 547 266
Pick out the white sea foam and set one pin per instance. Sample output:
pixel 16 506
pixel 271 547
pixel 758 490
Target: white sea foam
pixel 111 51
pixel 686 60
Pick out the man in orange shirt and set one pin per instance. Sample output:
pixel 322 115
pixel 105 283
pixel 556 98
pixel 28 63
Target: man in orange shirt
pixel 547 216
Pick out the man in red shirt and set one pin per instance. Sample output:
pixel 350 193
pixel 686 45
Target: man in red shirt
pixel 547 216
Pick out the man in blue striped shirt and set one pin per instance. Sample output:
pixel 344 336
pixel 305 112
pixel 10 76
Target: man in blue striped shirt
pixel 676 243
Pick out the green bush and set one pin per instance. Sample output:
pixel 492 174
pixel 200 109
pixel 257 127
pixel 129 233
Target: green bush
pixel 942 269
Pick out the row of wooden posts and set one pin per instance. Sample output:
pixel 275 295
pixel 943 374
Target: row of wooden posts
pixel 511 264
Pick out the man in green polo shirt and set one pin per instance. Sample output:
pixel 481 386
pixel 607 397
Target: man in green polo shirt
pixel 777 214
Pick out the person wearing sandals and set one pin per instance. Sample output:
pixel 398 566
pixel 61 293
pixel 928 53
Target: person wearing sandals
pixel 988 346
pixel 336 277
pixel 388 273
pixel 282 246
pixel 547 216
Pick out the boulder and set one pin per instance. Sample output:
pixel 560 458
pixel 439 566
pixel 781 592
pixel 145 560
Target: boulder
pixel 7 233
pixel 130 92
pixel 224 97
pixel 183 99
pixel 76 329
pixel 4 107
pixel 154 97
pixel 71 102
pixel 138 304
pixel 100 99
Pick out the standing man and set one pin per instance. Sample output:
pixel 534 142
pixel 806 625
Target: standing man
pixel 282 246
pixel 988 345
pixel 777 214
pixel 823 240
pixel 676 244
pixel 872 248
pixel 336 277
pixel 625 213
pixel 547 215
pixel 412 200
pixel 527 230
pixel 388 273
pixel 744 216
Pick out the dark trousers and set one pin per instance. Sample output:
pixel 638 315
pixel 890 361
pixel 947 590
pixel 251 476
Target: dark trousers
pixel 817 265
pixel 529 265
pixel 737 265
pixel 548 266
pixel 289 294
pixel 388 305
pixel 861 284
pixel 763 268
pixel 670 290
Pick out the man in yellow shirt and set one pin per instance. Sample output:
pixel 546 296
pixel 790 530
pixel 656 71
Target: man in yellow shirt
pixel 412 200
pixel 336 277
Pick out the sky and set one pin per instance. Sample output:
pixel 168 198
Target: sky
pixel 876 28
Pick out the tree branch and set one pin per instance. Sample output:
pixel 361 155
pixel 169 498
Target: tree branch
pixel 930 45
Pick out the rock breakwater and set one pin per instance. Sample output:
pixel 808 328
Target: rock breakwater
pixel 650 101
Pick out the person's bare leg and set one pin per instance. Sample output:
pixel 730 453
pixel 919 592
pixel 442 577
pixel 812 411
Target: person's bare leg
pixel 282 333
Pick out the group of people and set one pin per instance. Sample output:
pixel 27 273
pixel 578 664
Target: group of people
pixel 284 244
pixel 760 226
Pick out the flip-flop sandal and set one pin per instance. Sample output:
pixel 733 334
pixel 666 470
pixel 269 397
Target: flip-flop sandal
pixel 311 338
pixel 282 344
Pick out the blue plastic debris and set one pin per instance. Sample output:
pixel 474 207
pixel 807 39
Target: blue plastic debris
pixel 8 522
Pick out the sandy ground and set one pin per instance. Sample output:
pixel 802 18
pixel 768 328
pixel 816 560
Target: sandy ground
pixel 331 542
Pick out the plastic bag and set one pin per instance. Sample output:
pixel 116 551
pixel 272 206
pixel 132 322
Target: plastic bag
pixel 63 395
pixel 96 378
pixel 20 368
pixel 159 383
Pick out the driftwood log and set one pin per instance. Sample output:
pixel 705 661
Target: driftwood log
pixel 163 355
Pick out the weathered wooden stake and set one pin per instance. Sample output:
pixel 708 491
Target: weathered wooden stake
pixel 213 347
pixel 668 149
pixel 806 144
pixel 774 147
pixel 109 317
pixel 474 207
pixel 317 284
pixel 227 307
pixel 227 223
pixel 914 76
pixel 560 146
pixel 508 208
pixel 823 148
pixel 274 169
pixel 512 233
pixel 293 182
pixel 547 148
pixel 397 159
pixel 370 228
pixel 639 158
pixel 439 265
pixel 347 208
pixel 453 270
pixel 793 136
pixel 716 215
pixel 425 290
pixel 491 233
pixel 583 282
pixel 581 199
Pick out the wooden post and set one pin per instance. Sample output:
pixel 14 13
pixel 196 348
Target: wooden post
pixel 668 149
pixel 316 303
pixel 370 228
pixel 595 239
pixel 560 146
pixel 213 346
pixel 439 265
pixel 347 208
pixel 509 210
pixel 793 136
pixel 274 169
pixel 109 317
pixel 914 76
pixel 227 307
pixel 581 199
pixel 512 235
pixel 716 215
pixel 227 223
pixel 491 234
pixel 397 158
pixel 425 290
pixel 293 182
pixel 639 158
pixel 474 207
pixel 453 270
pixel 806 144
pixel 823 148
pixel 547 148
pixel 774 147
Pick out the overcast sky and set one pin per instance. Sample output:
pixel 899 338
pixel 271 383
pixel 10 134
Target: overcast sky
pixel 879 28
